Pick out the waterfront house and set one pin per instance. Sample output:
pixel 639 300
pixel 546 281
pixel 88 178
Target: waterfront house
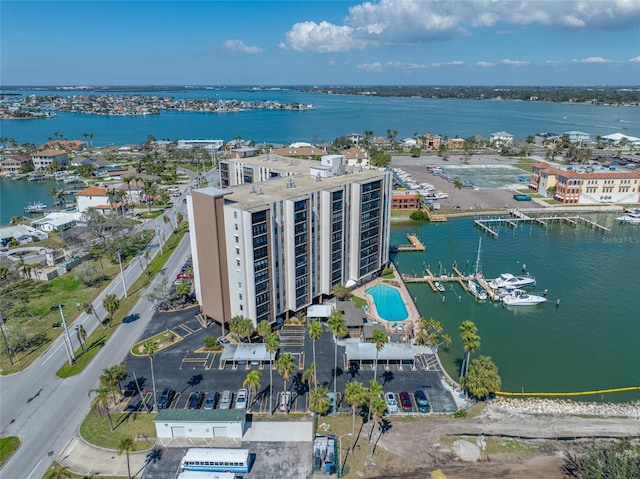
pixel 286 234
pixel 501 138
pixel 586 185
pixel 16 164
pixel 455 143
pixel 66 145
pixel 405 200
pixel 431 142
pixel 619 139
pixel 99 198
pixel 356 156
pixel 23 234
pixel 57 221
pixel 44 158
pixel 577 137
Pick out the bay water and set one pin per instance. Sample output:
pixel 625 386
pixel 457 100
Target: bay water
pixel 589 341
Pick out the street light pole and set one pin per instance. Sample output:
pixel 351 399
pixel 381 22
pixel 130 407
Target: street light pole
pixel 124 284
pixel 339 470
pixel 67 338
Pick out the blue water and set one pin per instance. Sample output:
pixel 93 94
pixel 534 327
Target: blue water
pixel 388 302
pixel 334 116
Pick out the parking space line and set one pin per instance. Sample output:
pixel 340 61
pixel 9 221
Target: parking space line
pixel 207 367
pixel 188 330
pixel 176 399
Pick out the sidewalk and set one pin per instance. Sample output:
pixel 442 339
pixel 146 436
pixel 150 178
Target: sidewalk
pixel 87 460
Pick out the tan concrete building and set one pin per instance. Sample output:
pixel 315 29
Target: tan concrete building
pixel 269 248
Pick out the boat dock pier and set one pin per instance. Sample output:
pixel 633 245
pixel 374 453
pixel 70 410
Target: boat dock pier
pixel 431 279
pixel 518 217
pixel 416 244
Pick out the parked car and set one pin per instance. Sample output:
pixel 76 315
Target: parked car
pixel 331 401
pixel 166 398
pixel 225 399
pixel 241 398
pixel 211 400
pixel 187 274
pixel 285 401
pixel 405 401
pixel 392 404
pixel 195 400
pixel 421 401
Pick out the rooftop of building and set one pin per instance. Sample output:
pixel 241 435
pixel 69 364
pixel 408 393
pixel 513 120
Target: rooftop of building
pixel 595 171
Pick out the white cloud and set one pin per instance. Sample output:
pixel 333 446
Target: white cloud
pixel 389 22
pixel 595 60
pixel 239 46
pixel 515 63
pixel 635 59
pixel 446 64
pixel 371 67
pixel 485 64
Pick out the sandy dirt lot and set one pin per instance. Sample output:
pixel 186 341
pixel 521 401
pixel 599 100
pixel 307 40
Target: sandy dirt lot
pixel 418 449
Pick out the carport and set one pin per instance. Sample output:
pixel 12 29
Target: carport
pixel 244 353
pixel 392 353
pixel 319 312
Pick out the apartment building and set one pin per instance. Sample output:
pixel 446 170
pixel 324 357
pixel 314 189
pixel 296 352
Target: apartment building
pixel 586 185
pixel 272 246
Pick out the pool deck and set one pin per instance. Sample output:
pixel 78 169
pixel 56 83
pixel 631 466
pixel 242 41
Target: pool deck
pixel 406 327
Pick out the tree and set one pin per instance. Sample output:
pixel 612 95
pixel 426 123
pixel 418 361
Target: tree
pixel 430 334
pixel 252 381
pixel 309 376
pixel 58 472
pixel 263 329
pixel 470 342
pixel 241 326
pixel 356 395
pixel 314 329
pixel 111 304
pixel 151 347
pixel 82 336
pixel 103 400
pixel 126 445
pixel 285 366
pixel 341 292
pixel 379 338
pixel 604 460
pixel 183 288
pixel 271 344
pixel 374 391
pixel 319 401
pixel 457 185
pixel 482 378
pixel 120 373
pixel 338 328
pixel 378 407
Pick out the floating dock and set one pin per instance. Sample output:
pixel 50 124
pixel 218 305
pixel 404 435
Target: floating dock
pixel 487 224
pixel 416 244
pixel 431 279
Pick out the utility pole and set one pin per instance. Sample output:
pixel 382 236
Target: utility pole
pixel 158 235
pixel 124 285
pixel 4 337
pixel 67 338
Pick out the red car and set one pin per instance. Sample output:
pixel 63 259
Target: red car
pixel 185 275
pixel 405 401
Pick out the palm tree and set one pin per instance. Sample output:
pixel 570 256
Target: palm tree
pixel 111 305
pixel 378 405
pixel 54 196
pixel 148 189
pixel 126 445
pixel 252 381
pixel 285 366
pixel 314 329
pixel 82 336
pixel 482 378
pixel 109 381
pixel 319 401
pixel 271 344
pixel 379 338
pixel 263 329
pixel 103 400
pixel 183 288
pixel 457 185
pixel 355 395
pixel 128 180
pixel 89 309
pixel 309 376
pixel 374 393
pixel 120 373
pixel 338 328
pixel 58 472
pixel 470 342
pixel 151 347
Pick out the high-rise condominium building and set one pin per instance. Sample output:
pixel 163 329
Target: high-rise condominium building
pixel 286 234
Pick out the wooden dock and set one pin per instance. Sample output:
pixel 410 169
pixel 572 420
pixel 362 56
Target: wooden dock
pixel 487 224
pixel 431 279
pixel 416 244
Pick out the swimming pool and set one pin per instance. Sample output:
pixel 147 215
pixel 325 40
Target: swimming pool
pixel 389 303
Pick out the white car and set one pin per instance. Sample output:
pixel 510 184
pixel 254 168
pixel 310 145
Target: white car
pixel 392 404
pixel 241 399
pixel 285 401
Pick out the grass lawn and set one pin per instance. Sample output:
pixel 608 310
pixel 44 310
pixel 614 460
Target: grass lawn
pixel 162 340
pixel 95 429
pixel 8 445
pixel 360 302
pixel 64 472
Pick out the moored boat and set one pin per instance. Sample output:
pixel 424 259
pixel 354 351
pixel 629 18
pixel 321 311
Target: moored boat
pixel 439 286
pixel 507 279
pixel 521 298
pixel 632 217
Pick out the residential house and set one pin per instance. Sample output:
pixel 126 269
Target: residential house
pixel 44 158
pixel 67 145
pixel 57 221
pixel 356 156
pixel 99 198
pixel 431 142
pixel 455 143
pixel 405 200
pixel 16 164
pixel 23 234
pixel 501 138
pixel 578 137
pixel 299 150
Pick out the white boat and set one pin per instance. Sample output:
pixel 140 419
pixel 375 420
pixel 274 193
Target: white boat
pixel 507 279
pixel 474 288
pixel 439 286
pixel 632 217
pixel 521 298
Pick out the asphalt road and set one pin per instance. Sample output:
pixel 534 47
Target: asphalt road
pixel 45 411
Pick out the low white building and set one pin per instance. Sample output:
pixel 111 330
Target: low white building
pixel 200 423
pixel 577 136
pixel 501 138
pixel 22 233
pixel 57 221
pixel 96 197
pixel 616 138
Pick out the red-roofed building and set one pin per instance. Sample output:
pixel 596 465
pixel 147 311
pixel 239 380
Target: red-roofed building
pixel 97 197
pixel 586 185
pixel 69 145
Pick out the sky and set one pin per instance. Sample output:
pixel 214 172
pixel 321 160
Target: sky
pixel 384 42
